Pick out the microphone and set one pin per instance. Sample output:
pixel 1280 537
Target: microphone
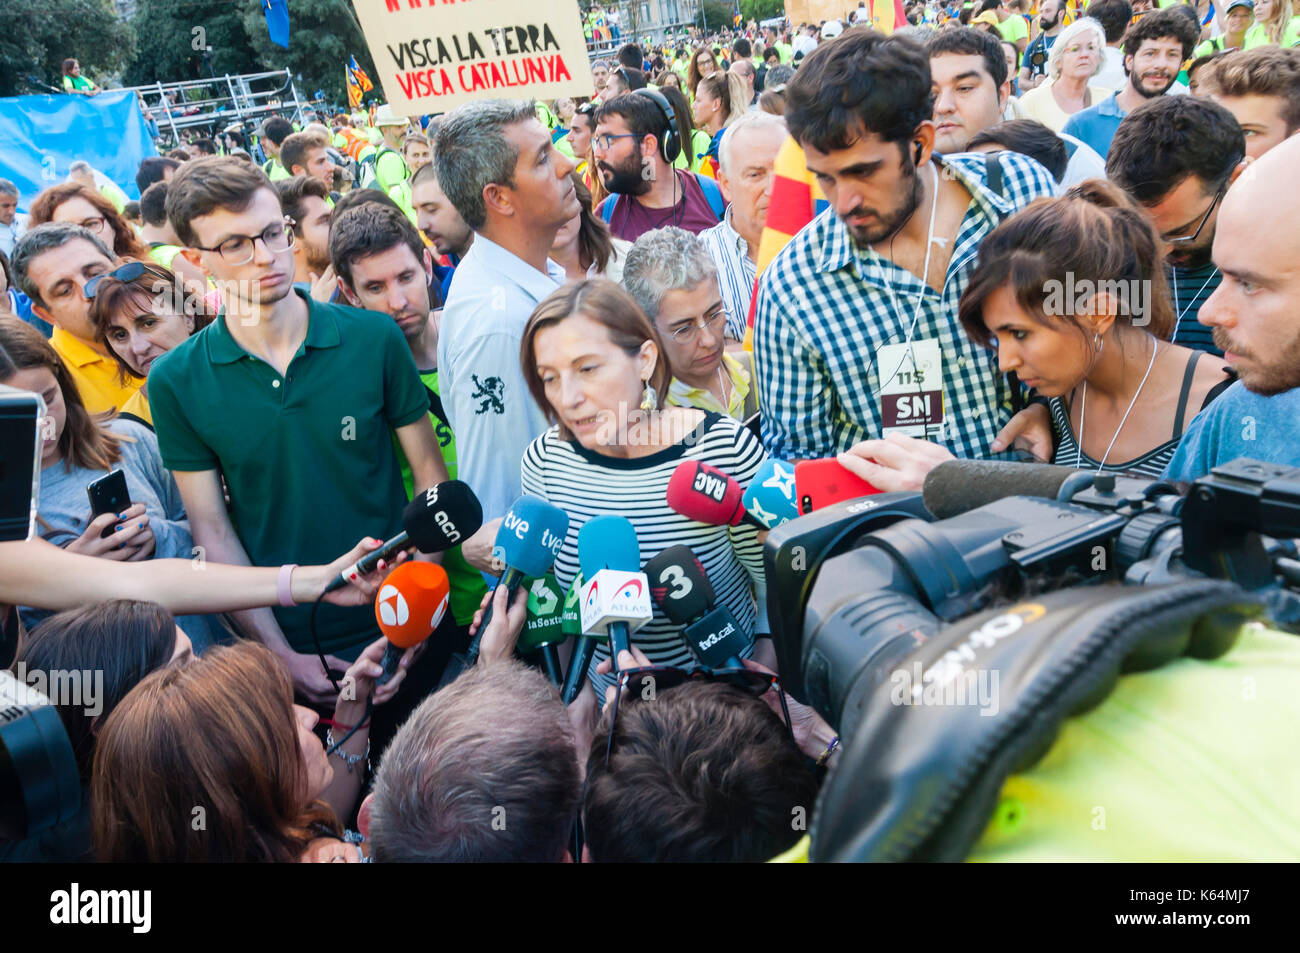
pixel 441 517
pixel 571 624
pixel 410 604
pixel 544 626
pixel 770 497
pixel 957 486
pixel 680 585
pixel 528 540
pixel 706 494
pixel 616 598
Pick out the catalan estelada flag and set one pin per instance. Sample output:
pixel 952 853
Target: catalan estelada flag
pixel 358 83
pixel 795 201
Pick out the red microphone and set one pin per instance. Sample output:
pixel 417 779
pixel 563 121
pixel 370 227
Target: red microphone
pixel 410 604
pixel 706 494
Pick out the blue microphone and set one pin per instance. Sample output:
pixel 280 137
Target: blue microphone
pixel 771 497
pixel 528 540
pixel 615 599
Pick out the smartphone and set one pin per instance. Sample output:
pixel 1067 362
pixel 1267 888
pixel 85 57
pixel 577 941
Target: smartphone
pixel 819 483
pixel 108 495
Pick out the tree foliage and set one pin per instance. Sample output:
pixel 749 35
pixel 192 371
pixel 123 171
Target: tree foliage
pixel 176 34
pixel 37 35
pixel 717 15
pixel 760 10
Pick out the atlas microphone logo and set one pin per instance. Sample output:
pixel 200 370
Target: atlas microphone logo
pixel 630 590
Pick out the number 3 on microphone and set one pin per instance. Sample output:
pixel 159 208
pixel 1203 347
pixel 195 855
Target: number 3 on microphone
pixel 676 577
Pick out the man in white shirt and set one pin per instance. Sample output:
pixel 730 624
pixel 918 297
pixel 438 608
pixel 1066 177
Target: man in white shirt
pixel 12 224
pixel 497 165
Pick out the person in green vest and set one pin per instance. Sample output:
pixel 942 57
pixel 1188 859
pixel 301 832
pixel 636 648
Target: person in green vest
pixel 1238 20
pixel 396 282
pixel 1276 23
pixel 164 246
pixel 74 82
pixel 274 131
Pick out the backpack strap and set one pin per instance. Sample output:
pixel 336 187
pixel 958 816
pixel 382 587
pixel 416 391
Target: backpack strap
pixel 993 170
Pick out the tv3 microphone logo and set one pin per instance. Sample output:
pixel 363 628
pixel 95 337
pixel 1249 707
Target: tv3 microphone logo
pixel 714 487
pixel 717 637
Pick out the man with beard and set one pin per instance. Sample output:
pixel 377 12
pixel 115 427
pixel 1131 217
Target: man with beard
pixel 1155 49
pixel 1176 156
pixel 306 201
pixel 1253 314
pixel 646 192
pixel 856 332
pixel 1051 20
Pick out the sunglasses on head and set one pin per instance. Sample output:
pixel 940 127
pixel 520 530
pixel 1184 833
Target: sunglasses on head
pixel 648 681
pixel 124 273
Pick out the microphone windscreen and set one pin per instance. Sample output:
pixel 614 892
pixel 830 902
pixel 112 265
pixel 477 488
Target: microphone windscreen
pixel 543 624
pixel 770 497
pixel 411 602
pixel 570 620
pixel 530 536
pixel 443 516
pixel 608 542
pixel 705 494
pixel 957 486
pixel 680 585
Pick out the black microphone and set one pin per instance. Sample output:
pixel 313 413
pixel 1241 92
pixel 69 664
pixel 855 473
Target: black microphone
pixel 443 516
pixel 958 486
pixel 680 585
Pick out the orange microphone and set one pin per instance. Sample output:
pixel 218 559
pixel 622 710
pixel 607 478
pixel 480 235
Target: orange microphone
pixel 409 606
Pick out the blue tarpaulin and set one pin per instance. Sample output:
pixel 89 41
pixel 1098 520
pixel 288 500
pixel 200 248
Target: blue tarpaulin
pixel 40 136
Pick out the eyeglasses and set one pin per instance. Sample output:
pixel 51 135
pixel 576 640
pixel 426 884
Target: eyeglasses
pixel 605 140
pixel 239 249
pixel 1184 241
pixel 711 322
pixel 646 682
pixel 124 273
pixel 95 224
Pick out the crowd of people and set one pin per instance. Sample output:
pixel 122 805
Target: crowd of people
pixel 1068 240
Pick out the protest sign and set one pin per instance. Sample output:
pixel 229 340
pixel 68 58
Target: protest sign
pixel 433 55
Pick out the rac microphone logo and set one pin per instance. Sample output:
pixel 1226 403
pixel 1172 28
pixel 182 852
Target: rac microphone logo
pixel 711 486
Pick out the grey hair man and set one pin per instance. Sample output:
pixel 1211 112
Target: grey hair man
pixel 746 160
pixel 484 771
pixel 12 224
pixel 673 278
pixel 498 167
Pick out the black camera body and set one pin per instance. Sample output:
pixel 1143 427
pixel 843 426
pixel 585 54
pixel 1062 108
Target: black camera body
pixel 856 587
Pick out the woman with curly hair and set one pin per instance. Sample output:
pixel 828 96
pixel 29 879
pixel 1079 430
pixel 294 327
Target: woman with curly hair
pixel 73 202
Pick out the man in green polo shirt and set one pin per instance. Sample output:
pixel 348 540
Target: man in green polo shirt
pixel 290 400
pixel 384 266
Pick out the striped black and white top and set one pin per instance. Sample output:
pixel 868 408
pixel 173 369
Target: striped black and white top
pixel 586 484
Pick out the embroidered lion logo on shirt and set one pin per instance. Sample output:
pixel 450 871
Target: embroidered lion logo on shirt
pixel 490 394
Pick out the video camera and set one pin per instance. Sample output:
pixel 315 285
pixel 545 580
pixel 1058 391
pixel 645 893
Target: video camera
pixel 855 587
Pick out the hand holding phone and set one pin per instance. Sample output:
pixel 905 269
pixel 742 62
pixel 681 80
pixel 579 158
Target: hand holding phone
pixel 108 494
pixel 819 483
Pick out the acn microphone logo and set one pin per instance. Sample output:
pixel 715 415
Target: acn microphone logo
pixel 393 609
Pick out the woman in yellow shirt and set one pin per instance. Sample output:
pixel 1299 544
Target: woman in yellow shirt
pixel 1275 22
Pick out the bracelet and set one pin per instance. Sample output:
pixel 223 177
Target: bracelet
pixel 283 585
pixel 351 760
pixel 830 750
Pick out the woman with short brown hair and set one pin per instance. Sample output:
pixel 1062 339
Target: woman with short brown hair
pixel 597 367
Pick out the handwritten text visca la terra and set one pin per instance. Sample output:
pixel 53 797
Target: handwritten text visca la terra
pixel 505 41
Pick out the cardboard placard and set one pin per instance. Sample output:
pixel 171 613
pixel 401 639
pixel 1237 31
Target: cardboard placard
pixel 433 55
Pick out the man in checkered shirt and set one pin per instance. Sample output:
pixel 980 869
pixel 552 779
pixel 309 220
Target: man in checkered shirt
pixel 856 334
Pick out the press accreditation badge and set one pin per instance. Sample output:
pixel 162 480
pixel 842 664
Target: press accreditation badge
pixel 911 388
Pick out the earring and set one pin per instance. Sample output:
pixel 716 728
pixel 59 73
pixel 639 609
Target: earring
pixel 1096 341
pixel 649 399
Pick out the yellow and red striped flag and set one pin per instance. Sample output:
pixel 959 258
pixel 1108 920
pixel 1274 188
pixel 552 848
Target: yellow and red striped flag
pixel 795 201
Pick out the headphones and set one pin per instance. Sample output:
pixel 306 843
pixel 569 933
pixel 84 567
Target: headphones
pixel 670 143
pixel 916 154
